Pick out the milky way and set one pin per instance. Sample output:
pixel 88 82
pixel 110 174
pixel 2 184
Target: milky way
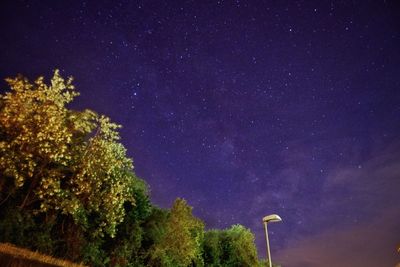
pixel 244 108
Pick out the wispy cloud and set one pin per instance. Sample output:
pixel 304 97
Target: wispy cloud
pixel 350 237
pixel 374 184
pixel 365 244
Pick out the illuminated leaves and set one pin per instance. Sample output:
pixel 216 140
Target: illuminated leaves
pixel 33 119
pixel 231 247
pixel 65 160
pixel 181 243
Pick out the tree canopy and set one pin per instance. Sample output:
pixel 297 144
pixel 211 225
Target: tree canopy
pixel 230 247
pixel 61 159
pixel 181 242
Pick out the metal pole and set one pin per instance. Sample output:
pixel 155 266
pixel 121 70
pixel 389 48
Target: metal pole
pixel 268 251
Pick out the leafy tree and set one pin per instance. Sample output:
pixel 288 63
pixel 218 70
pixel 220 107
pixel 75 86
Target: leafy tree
pixel 180 245
pixel 242 251
pixel 212 248
pixel 61 160
pixel 126 249
pixel 65 180
pixel 231 247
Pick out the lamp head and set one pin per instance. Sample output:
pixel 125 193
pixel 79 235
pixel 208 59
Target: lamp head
pixel 272 218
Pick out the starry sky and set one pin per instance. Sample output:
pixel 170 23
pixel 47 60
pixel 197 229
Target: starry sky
pixel 243 108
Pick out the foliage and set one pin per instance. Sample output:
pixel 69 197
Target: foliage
pixel 231 247
pixel 24 229
pixel 212 248
pixel 181 243
pixel 63 160
pixel 127 248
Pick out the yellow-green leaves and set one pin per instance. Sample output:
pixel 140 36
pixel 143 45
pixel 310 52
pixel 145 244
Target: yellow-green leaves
pixel 104 177
pixel 63 160
pixel 33 119
pixel 230 247
pixel 181 243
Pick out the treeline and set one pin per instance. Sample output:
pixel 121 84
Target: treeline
pixel 68 189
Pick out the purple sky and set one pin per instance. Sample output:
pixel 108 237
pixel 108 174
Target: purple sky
pixel 244 108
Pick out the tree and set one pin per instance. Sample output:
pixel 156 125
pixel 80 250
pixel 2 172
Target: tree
pixel 180 245
pixel 242 250
pixel 57 161
pixel 232 247
pixel 127 248
pixel 212 248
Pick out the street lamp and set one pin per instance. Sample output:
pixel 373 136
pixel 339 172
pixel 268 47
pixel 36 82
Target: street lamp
pixel 266 220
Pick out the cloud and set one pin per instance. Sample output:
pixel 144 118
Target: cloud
pixel 357 218
pixel 369 244
pixel 373 185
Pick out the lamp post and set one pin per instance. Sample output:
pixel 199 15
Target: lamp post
pixel 266 220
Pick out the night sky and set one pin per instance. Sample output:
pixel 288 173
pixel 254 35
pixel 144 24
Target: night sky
pixel 243 108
